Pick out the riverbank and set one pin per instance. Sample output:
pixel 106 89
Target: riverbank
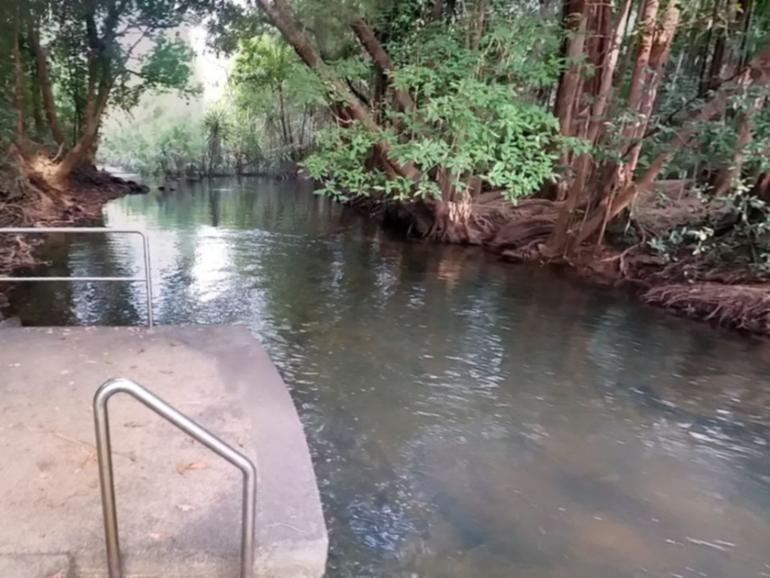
pixel 726 294
pixel 79 202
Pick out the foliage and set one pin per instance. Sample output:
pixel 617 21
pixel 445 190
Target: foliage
pixel 474 117
pixel 224 140
pixel 739 231
pixel 272 89
pixel 101 54
pixel 167 67
pixel 163 147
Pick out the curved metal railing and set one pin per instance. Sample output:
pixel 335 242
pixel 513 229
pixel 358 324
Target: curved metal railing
pixel 166 411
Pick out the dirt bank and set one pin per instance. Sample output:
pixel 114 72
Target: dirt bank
pixel 79 202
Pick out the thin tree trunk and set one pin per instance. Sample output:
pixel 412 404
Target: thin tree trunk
pixel 479 24
pixel 757 74
pixel 35 98
pixel 281 17
pixel 728 175
pixel 747 16
pixel 717 60
pixel 703 84
pixel 653 75
pixel 302 128
pixel 369 41
pixel 18 78
pixel 649 15
pixel 627 48
pixel 282 112
pixel 762 187
pixel 575 21
pixel 654 44
pixel 45 85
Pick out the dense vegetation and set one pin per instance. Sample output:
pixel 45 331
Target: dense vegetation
pixel 588 104
pixel 544 128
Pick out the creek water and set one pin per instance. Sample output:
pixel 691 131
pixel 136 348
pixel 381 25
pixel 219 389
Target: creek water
pixel 467 418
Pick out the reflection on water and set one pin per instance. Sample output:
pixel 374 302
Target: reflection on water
pixel 467 418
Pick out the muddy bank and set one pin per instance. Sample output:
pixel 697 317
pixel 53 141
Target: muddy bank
pixel 79 202
pixel 728 295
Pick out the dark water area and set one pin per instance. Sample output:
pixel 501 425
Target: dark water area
pixel 467 418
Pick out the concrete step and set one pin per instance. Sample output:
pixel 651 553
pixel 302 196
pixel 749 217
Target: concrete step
pixel 36 566
pixel 179 505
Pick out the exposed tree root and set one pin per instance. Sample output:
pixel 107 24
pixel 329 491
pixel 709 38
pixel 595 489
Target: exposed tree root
pixel 730 295
pixel 743 307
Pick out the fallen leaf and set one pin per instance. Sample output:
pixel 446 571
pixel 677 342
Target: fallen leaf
pixel 182 468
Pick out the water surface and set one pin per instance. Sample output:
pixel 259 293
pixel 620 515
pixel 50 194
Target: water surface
pixel 467 418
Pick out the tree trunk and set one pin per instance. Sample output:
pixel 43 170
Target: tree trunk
pixel 602 100
pixel 281 17
pixel 654 45
pixel 84 147
pixel 575 21
pixel 18 78
pixel 559 241
pixel 44 78
pixel 33 92
pixel 762 187
pixel 648 21
pixel 653 75
pixel 728 175
pixel 479 25
pixel 757 74
pixel 282 113
pixel 746 16
pixel 703 84
pixel 717 60
pixel 373 47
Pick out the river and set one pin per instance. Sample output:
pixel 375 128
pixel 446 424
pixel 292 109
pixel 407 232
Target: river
pixel 467 418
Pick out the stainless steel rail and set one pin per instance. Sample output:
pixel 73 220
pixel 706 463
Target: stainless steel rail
pixel 163 409
pixel 146 278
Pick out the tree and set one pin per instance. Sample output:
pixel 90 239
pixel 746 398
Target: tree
pixel 271 81
pixel 102 53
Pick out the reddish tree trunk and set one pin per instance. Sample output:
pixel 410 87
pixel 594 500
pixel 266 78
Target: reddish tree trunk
pixel 584 164
pixel 575 22
pixel 757 74
pixel 653 75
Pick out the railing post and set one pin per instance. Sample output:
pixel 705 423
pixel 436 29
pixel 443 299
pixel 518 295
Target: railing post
pixel 146 278
pixel 181 421
pixel 107 486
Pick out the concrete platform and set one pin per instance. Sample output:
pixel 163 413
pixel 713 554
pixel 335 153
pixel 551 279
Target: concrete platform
pixel 178 503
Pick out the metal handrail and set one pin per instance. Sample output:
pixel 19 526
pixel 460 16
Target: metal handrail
pixel 163 409
pixel 146 278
